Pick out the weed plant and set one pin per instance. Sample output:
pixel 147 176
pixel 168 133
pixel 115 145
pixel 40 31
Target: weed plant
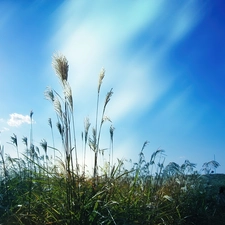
pixel 37 189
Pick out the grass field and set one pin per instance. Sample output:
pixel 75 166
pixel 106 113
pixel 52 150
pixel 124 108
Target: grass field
pixel 37 189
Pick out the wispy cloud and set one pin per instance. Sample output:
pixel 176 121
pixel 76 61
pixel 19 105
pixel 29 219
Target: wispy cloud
pixel 3 129
pixel 18 119
pixel 106 35
pixel 103 39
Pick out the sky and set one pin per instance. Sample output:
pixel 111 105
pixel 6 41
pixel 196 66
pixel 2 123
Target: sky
pixel 163 59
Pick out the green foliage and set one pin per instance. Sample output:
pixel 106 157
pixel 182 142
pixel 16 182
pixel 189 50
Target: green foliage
pixel 35 189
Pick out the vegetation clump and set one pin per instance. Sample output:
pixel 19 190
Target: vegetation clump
pixel 38 189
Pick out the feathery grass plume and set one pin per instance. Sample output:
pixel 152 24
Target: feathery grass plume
pixel 152 161
pixel 25 142
pixel 111 131
pixel 53 141
pixel 144 145
pixel 155 154
pixel 107 99
pixel 15 143
pixel 24 139
pixel 61 66
pixel 14 140
pixel 68 94
pixel 172 169
pixel 187 167
pixel 87 125
pixel 44 145
pixel 210 166
pixel 50 122
pixel 92 141
pixel 60 129
pixel 37 150
pixel 31 114
pixel 49 94
pixel 101 77
pixel 58 108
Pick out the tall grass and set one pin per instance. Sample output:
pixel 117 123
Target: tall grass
pixel 38 189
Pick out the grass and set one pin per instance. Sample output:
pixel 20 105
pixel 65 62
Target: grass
pixel 37 189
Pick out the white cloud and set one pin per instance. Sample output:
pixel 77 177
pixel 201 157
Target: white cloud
pixel 17 119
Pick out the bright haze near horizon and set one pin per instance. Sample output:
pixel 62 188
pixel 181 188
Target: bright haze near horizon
pixel 165 61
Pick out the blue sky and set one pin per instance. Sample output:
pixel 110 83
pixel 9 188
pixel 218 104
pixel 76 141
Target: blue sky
pixel 163 59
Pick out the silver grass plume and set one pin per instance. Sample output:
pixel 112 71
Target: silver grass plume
pixel 86 128
pixel 50 122
pixel 101 76
pixel 58 107
pixel 49 94
pixel 171 169
pixel 14 140
pixel 24 139
pixel 61 67
pixel 212 163
pixel 107 99
pixel 60 128
pixel 44 145
pixel 37 150
pixel 111 130
pixel 68 93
